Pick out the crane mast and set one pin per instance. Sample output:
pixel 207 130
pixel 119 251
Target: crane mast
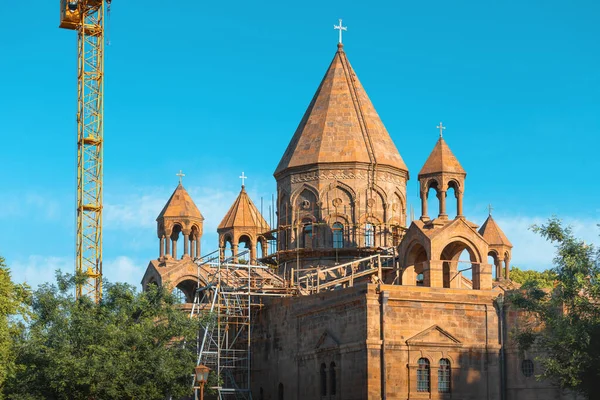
pixel 87 18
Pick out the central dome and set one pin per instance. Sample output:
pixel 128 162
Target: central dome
pixel 340 125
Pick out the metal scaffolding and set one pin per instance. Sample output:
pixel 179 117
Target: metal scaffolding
pixel 228 297
pixel 230 293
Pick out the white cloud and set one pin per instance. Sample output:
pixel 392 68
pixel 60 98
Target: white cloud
pixel 124 269
pixel 38 269
pixel 140 211
pixel 134 212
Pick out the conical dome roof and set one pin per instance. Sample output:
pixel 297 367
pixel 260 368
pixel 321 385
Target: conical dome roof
pixel 441 159
pixel 340 125
pixel 243 214
pixel 492 233
pixel 180 204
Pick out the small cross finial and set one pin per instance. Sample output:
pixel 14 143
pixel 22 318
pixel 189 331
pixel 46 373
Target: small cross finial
pixel 243 178
pixel 340 28
pixel 441 128
pixel 180 175
pixel 490 208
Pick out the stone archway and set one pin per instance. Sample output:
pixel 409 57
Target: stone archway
pixel 451 270
pixel 414 264
pixel 186 289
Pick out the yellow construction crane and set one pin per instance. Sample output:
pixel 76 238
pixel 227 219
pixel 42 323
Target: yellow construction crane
pixel 87 18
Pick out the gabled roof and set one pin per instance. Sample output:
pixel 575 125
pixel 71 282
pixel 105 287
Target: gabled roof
pixel 492 233
pixel 243 214
pixel 180 204
pixel 434 335
pixel 441 159
pixel 340 125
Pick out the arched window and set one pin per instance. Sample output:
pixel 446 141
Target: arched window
pixel 444 376
pixel 423 375
pixel 395 235
pixel 307 233
pixel 369 235
pixel 527 368
pixel 280 392
pixel 338 235
pixel 323 380
pixel 332 379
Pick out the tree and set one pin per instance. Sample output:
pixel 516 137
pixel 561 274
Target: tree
pixel 563 324
pixel 130 345
pixel 13 311
pixel 530 278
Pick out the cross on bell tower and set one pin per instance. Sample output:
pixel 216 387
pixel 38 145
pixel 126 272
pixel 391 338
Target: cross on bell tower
pixel 180 175
pixel 441 128
pixel 243 178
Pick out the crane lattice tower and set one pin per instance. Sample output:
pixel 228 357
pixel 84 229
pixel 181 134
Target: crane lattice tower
pixel 87 18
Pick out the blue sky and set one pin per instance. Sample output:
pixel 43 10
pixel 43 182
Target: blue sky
pixel 216 88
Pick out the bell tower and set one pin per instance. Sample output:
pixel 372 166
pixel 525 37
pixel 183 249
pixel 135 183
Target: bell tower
pixel 179 217
pixel 441 172
pixel 243 225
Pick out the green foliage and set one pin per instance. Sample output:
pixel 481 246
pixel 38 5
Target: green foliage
pixel 565 330
pixel 530 278
pixel 130 346
pixel 13 313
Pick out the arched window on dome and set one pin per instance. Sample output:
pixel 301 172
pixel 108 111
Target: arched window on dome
pixel 338 235
pixel 307 233
pixel 369 235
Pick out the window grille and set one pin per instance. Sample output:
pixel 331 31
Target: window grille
pixel 369 235
pixel 527 368
pixel 444 376
pixel 423 375
pixel 338 235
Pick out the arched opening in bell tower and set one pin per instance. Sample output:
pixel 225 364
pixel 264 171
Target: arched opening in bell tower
pixel 452 199
pixel 245 249
pixel 432 200
pixel 175 235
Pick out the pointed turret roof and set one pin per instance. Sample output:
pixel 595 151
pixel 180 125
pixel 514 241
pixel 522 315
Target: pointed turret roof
pixel 492 233
pixel 180 204
pixel 441 159
pixel 243 214
pixel 340 125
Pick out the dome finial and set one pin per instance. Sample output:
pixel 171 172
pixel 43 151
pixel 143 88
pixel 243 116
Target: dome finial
pixel 180 175
pixel 243 178
pixel 340 28
pixel 441 128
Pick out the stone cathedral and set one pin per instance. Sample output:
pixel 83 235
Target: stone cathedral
pixel 418 328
